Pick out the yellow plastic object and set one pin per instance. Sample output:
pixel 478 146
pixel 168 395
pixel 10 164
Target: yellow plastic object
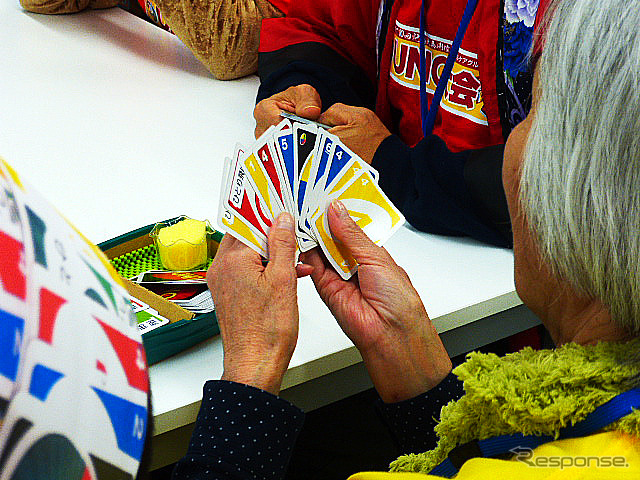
pixel 182 244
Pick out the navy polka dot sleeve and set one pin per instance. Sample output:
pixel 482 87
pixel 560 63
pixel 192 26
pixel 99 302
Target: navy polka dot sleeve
pixel 412 421
pixel 241 432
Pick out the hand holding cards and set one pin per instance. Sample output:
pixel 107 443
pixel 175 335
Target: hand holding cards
pixel 301 168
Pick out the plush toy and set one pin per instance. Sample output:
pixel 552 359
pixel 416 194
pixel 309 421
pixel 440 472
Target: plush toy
pixel 222 34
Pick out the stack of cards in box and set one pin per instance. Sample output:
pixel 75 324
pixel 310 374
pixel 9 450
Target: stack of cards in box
pixel 300 168
pixel 187 289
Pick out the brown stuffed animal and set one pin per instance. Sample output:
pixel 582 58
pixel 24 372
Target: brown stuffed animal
pixel 65 6
pixel 222 34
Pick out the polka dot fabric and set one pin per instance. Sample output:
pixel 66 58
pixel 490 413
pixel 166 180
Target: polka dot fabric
pixel 412 421
pixel 241 432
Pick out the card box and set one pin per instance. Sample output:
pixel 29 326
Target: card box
pixel 133 253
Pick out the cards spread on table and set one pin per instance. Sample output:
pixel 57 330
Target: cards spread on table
pixel 300 168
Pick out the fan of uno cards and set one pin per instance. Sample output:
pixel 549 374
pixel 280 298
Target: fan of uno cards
pixel 300 168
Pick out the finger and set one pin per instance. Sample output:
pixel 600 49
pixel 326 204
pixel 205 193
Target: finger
pixel 227 243
pixel 282 244
pixel 307 101
pixel 314 259
pixel 303 270
pixel 322 274
pixel 346 231
pixel 337 114
pixel 266 113
pixel 232 253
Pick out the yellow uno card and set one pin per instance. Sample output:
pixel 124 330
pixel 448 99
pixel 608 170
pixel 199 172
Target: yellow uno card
pixel 242 232
pixel 372 211
pixel 261 184
pixel 356 168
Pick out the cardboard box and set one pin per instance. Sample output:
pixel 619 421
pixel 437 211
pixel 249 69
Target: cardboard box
pixel 135 250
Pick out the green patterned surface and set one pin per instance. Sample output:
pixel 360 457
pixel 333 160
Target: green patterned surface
pixel 134 263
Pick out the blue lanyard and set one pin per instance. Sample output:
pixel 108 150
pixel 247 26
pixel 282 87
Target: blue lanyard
pixel 607 413
pixel 429 114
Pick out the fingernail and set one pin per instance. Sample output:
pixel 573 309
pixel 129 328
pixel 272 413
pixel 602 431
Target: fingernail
pixel 339 207
pixel 285 221
pixel 311 106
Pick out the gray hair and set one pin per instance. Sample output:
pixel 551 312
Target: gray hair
pixel 580 185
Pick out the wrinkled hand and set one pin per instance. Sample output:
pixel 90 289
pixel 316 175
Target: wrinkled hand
pixel 381 312
pixel 359 128
pixel 257 307
pixel 303 100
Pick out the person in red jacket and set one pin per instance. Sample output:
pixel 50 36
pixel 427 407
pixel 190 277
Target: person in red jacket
pixel 343 61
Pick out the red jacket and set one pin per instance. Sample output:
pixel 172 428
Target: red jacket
pixel 366 53
pixel 469 116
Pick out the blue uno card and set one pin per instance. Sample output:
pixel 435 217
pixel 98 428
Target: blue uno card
pixel 341 157
pixel 317 181
pixel 285 142
pixel 322 162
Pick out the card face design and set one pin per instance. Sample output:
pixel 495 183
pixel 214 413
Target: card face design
pixel 230 221
pixel 262 188
pixel 300 168
pixel 163 276
pixel 243 200
pixel 284 144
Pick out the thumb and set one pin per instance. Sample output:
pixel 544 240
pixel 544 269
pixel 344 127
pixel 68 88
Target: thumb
pixel 347 232
pixel 337 114
pixel 282 244
pixel 307 101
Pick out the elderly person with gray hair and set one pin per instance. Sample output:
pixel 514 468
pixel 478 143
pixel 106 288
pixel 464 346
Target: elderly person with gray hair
pixel 572 177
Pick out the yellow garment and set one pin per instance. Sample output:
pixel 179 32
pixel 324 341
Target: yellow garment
pixel 611 447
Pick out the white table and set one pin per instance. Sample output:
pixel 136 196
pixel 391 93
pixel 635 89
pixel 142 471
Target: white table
pixel 116 123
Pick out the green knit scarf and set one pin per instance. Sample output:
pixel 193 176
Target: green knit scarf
pixel 532 392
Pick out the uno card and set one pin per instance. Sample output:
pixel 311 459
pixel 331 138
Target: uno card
pixel 354 167
pixel 242 198
pixel 325 145
pixel 236 225
pixel 164 276
pixel 148 318
pixel 265 153
pixel 137 305
pixel 304 136
pixel 299 167
pixel 296 118
pixel 148 321
pixel 372 211
pixel 284 148
pixel 176 292
pixel 305 143
pixel 313 169
pixel 278 162
pixel 262 186
pixel 13 290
